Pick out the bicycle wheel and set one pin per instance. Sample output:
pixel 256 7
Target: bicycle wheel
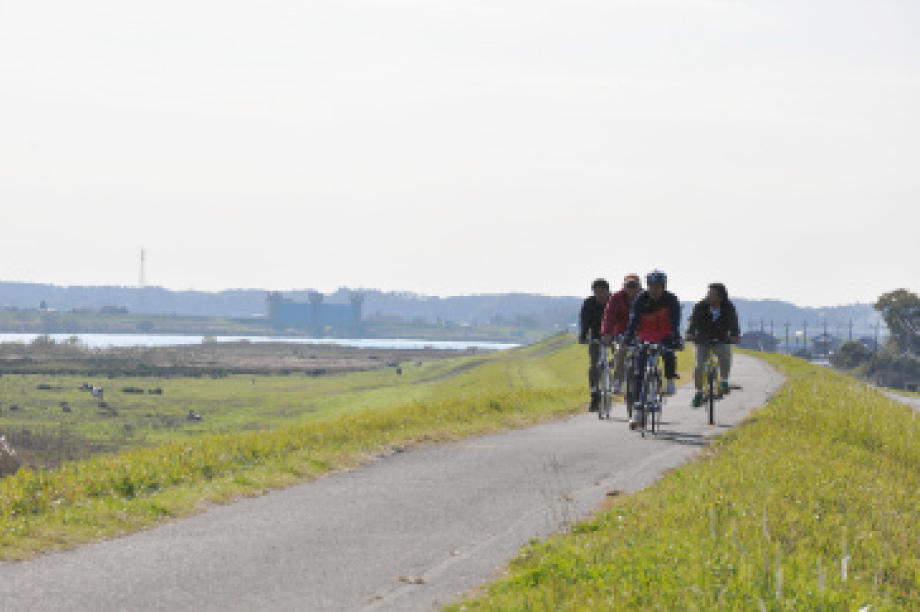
pixel 650 396
pixel 629 394
pixel 657 403
pixel 713 384
pixel 606 394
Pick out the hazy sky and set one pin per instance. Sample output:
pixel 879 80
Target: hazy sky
pixel 463 147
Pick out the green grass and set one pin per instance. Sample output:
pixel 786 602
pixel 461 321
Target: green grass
pixel 811 504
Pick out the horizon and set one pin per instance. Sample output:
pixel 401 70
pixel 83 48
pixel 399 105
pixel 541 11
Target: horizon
pixel 407 292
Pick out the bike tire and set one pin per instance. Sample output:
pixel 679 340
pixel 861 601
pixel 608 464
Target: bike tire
pixel 648 406
pixel 712 397
pixel 604 412
pixel 629 393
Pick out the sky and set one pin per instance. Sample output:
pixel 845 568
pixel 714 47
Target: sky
pixel 476 146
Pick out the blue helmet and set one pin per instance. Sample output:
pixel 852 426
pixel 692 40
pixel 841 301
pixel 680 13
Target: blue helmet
pixel 656 276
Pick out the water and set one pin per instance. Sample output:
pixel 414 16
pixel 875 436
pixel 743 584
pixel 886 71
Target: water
pixel 151 340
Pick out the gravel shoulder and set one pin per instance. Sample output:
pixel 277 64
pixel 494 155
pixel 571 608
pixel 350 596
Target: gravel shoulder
pixel 409 531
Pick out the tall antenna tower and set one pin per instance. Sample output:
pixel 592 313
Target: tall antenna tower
pixel 142 282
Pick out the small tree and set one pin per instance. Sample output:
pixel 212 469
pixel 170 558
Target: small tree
pixel 851 355
pixel 901 311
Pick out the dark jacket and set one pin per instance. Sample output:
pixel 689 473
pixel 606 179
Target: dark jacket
pixel 592 313
pixel 654 320
pixel 704 327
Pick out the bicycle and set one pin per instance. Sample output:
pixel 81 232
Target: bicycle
pixel 652 398
pixel 712 390
pixel 606 381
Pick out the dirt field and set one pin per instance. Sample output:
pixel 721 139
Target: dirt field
pixel 209 358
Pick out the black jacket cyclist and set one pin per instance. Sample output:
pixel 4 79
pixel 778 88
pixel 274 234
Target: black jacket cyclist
pixel 592 315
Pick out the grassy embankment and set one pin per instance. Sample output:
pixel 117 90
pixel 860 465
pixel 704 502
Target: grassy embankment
pixel 811 504
pixel 358 416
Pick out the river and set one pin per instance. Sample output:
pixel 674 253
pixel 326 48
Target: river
pixel 151 340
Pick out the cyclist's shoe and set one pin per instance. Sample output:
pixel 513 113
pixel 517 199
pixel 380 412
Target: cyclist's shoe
pixel 595 404
pixel 697 400
pixel 617 387
pixel 670 388
pixel 724 388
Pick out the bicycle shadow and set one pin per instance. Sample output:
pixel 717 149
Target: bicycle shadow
pixel 683 438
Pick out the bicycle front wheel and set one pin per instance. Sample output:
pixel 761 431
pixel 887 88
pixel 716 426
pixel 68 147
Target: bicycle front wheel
pixel 712 395
pixel 652 391
pixel 629 394
pixel 657 404
pixel 606 396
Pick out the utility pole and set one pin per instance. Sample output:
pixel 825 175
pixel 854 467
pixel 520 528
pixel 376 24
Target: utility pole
pixel 850 333
pixel 142 282
pixel 787 338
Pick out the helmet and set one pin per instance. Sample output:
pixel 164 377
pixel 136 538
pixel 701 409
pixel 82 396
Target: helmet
pixel 656 276
pixel 632 280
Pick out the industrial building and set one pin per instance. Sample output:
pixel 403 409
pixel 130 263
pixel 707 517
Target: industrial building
pixel 315 315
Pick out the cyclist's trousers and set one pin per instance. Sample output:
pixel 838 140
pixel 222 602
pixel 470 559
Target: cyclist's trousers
pixel 723 354
pixel 594 370
pixel 667 357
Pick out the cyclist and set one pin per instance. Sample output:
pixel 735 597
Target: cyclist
pixel 592 313
pixel 713 319
pixel 655 317
pixel 616 318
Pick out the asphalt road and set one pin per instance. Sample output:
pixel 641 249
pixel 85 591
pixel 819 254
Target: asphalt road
pixel 408 531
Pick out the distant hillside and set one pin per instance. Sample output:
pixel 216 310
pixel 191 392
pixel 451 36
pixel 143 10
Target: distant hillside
pixel 514 308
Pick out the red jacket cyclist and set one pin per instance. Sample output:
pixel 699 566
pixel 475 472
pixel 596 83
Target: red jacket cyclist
pixel 616 319
pixel 655 317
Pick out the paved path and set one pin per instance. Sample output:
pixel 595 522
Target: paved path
pixel 405 532
pixel 909 400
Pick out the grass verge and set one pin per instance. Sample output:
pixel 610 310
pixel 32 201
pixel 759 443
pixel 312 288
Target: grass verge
pixel 811 504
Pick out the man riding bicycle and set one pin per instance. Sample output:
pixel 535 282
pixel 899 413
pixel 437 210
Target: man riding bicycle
pixel 616 319
pixel 713 327
pixel 655 318
pixel 592 313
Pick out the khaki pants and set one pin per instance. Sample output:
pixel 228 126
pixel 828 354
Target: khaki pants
pixel 723 354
